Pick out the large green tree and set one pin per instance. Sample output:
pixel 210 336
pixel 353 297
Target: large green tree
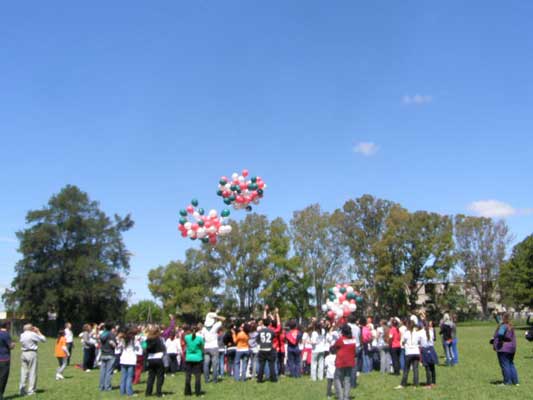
pixel 362 222
pixel 241 259
pixel 186 288
pixel 73 261
pixel 481 244
pixel 317 244
pixel 144 311
pixel 516 276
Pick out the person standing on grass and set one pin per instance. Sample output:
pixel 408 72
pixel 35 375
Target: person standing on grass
pixel 504 343
pixel 455 351
pixel 194 345
pixel 241 337
pixel 411 341
pixel 155 350
pixel 128 360
pixel 429 355
pixel 329 362
pixel 395 345
pixel 61 353
pixel 446 331
pixel 294 355
pixel 107 356
pixel 69 336
pixel 211 356
pixel 344 362
pixel 89 350
pixel 173 346
pixel 6 345
pixel 139 366
pixel 267 353
pixel 29 345
pixel 319 348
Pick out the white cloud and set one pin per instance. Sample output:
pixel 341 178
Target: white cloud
pixel 5 239
pixel 417 99
pixel 366 148
pixel 496 209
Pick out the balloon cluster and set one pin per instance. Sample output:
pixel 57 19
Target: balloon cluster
pixel 195 224
pixel 240 191
pixel 341 301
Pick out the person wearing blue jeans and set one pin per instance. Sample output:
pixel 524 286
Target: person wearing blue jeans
pixel 504 343
pixel 241 364
pixel 510 376
pixel 294 355
pixel 106 372
pixel 294 361
pixel 107 348
pixel 126 379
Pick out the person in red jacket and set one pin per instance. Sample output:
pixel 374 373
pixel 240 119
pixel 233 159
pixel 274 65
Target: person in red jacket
pixel 344 363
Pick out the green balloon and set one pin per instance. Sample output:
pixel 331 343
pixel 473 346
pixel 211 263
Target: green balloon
pixel 231 198
pixel 222 181
pixel 260 192
pixel 331 297
pixel 359 299
pixel 227 201
pixel 205 240
pixel 351 296
pixel 225 213
pixel 331 291
pixel 194 202
pixel 201 222
pixel 233 188
pixel 201 211
pixel 183 213
pixel 342 290
pixel 254 179
pixel 238 190
pixel 219 192
pixel 183 221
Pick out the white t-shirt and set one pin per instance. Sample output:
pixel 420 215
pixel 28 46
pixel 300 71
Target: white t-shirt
pixel 210 319
pixel 329 361
pixel 402 330
pixel 69 336
pixel 412 342
pixel 318 341
pixel 211 336
pixel 173 346
pixel 129 355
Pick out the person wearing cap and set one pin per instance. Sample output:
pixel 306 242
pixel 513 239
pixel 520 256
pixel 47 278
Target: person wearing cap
pixel 29 345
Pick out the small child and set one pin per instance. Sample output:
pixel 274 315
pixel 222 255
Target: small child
pixel 329 361
pixel 61 353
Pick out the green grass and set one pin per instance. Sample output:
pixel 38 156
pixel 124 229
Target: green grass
pixel 472 379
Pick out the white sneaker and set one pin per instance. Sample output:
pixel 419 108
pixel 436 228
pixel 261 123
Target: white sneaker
pixel 399 387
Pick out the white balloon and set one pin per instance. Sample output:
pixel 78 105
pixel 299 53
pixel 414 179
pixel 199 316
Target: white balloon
pixel 339 312
pixel 190 233
pixel 212 229
pixel 197 215
pixel 188 225
pixel 201 233
pixel 349 289
pixel 353 307
pixel 345 303
pixel 213 213
pixel 324 307
pixel 235 176
pixel 228 228
pixel 241 178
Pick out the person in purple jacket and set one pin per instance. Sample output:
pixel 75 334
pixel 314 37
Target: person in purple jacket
pixel 504 343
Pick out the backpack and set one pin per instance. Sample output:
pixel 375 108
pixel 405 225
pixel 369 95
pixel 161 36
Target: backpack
pixel 529 335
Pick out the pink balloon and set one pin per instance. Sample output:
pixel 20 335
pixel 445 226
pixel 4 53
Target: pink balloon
pixel 213 239
pixel 243 186
pixel 190 209
pixel 245 173
pixel 342 298
pixel 194 227
pixel 184 233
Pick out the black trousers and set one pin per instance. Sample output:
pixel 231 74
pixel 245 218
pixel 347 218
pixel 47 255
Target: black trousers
pixel 395 355
pixel 264 357
pixel 281 363
pixel 431 378
pixel 4 375
pixel 193 368
pixel 411 360
pixel 173 363
pixel 69 347
pixel 156 370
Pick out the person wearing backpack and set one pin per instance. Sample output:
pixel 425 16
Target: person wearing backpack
pixel 504 343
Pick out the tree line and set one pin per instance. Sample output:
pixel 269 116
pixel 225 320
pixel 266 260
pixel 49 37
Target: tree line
pixel 74 263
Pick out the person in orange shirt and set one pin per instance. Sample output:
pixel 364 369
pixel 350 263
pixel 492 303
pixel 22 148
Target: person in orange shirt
pixel 243 351
pixel 61 353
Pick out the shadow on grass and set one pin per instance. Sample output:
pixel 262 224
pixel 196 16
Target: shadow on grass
pixel 499 382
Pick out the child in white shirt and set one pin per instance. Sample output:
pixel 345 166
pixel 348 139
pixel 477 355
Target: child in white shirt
pixel 330 371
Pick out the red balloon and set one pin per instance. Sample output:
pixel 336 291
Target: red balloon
pixel 226 193
pixel 245 173
pixel 352 301
pixel 243 186
pixel 224 178
pixel 184 233
pixel 190 209
pixel 331 314
pixel 261 185
pixel 208 224
pixel 194 227
pixel 239 199
pixel 213 239
pixel 342 298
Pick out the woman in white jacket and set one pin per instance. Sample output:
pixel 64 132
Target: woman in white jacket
pixel 412 341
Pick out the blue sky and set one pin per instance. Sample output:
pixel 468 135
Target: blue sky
pixel 145 104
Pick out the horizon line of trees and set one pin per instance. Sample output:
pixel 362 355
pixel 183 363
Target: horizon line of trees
pixel 74 261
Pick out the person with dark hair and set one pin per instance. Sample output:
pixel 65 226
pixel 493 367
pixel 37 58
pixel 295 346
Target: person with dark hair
pixel 194 345
pixel 294 354
pixel 395 345
pixel 173 346
pixel 344 362
pixel 329 362
pixel 267 353
pixel 107 358
pixel 6 345
pixel 412 342
pixel 429 355
pixel 89 350
pixel 61 353
pixel 319 344
pixel 128 360
pixel 69 336
pixel 241 337
pixel 155 350
pixel 383 345
pixel 504 343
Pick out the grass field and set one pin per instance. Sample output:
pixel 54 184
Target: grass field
pixel 474 378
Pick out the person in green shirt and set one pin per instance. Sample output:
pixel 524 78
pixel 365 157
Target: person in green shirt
pixel 194 356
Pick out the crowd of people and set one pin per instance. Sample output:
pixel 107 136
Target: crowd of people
pixel 258 348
